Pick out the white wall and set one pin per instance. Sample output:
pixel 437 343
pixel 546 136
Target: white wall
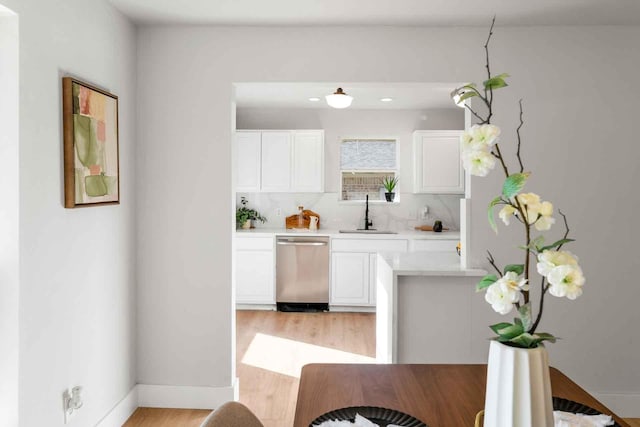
pixel 579 89
pixel 339 124
pixel 9 219
pixel 77 266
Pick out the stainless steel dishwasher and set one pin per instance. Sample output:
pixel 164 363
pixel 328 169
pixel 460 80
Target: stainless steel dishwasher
pixel 302 273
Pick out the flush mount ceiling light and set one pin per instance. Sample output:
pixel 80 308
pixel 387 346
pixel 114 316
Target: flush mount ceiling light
pixel 339 99
pixel 314 99
pixel 386 99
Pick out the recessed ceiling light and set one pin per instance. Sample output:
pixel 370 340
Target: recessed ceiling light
pixel 386 99
pixel 314 99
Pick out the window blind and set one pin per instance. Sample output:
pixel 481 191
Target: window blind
pixel 368 154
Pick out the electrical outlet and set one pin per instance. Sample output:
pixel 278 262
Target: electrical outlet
pixel 424 213
pixel 278 212
pixel 71 402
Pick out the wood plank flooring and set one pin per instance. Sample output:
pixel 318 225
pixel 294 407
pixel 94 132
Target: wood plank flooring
pixel 270 394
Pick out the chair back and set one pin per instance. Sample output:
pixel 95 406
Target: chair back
pixel 232 414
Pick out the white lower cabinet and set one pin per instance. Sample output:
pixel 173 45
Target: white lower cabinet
pixel 350 278
pixel 255 271
pixel 353 269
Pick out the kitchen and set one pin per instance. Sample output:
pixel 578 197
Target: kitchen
pixel 296 152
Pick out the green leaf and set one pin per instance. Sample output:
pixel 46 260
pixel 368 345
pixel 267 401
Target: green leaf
pixel 499 326
pixel 496 82
pixel 517 321
pixel 535 243
pixel 515 268
pixel 525 316
pixel 508 332
pixel 486 282
pixel 524 340
pixel 514 183
pixel 555 244
pixel 543 336
pixel 492 220
pixel 467 95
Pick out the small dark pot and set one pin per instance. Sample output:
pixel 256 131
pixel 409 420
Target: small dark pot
pixel 437 226
pixel 390 196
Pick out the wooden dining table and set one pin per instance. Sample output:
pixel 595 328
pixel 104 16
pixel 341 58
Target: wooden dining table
pixel 438 395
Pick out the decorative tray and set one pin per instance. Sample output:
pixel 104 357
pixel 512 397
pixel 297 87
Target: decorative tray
pixel 565 405
pixel 380 416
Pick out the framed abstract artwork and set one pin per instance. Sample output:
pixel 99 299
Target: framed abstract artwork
pixel 91 152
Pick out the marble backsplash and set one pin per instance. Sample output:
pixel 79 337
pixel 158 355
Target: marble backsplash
pixel 336 214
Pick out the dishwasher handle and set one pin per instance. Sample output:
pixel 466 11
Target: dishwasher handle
pixel 289 243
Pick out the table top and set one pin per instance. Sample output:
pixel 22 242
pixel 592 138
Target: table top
pixel 438 395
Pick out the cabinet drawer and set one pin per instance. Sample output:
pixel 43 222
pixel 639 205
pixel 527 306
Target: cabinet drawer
pixel 254 243
pixel 369 245
pixel 433 245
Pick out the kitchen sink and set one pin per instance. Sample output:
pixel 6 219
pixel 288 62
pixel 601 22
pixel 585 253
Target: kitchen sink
pixel 369 231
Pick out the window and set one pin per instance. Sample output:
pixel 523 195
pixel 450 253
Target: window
pixel 364 163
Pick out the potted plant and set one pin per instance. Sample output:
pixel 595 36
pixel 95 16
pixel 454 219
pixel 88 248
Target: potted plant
pixel 512 287
pixel 389 183
pixel 245 215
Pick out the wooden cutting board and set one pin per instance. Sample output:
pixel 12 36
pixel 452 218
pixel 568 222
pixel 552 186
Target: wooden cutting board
pixel 428 228
pixel 292 221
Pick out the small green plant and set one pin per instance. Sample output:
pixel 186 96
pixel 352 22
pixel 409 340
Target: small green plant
pixel 389 183
pixel 243 213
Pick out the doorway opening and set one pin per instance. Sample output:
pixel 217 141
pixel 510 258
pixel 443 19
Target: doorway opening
pixel 278 172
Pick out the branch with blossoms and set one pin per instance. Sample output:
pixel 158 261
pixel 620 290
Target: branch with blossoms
pixel 510 288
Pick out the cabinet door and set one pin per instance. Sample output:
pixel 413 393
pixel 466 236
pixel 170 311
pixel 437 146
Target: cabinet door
pixel 254 277
pixel 373 281
pixel 276 161
pixel 247 161
pixel 350 278
pixel 308 162
pixel 437 166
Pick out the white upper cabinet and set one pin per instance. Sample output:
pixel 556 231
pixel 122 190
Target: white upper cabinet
pixel 308 162
pixel 276 161
pixel 280 161
pixel 248 161
pixel 437 164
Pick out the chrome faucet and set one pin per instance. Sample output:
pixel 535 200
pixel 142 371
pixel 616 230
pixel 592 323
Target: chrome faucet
pixel 367 222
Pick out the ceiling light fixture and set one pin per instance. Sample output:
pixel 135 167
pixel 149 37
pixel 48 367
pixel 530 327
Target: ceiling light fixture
pixel 386 99
pixel 339 99
pixel 314 99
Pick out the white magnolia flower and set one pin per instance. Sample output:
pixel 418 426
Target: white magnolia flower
pixel 548 260
pixel 566 281
pixel 505 292
pixel 478 163
pixel 537 212
pixel 480 138
pixel 505 213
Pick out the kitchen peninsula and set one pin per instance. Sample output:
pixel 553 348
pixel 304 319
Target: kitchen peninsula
pixel 425 309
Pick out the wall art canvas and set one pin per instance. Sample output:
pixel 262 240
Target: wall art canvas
pixel 91 162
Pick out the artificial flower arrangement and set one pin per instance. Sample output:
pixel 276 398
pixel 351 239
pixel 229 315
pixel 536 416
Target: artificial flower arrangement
pixel 510 287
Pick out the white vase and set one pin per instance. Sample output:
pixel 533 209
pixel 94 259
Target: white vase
pixel 518 387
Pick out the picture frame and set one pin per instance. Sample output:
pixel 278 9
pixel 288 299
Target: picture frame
pixel 91 145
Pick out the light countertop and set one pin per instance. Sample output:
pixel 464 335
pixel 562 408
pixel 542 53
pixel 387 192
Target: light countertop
pixel 335 234
pixel 427 264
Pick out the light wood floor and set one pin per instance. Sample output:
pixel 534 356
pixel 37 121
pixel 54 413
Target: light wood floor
pixel 271 395
pixel 271 349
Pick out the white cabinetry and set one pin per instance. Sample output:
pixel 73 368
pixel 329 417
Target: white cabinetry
pixel 280 161
pixel 276 161
pixel 255 270
pixel 437 165
pixel 353 269
pixel 248 161
pixel 350 278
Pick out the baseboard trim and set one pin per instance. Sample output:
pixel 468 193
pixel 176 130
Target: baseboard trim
pixel 185 397
pixel 624 405
pixel 120 413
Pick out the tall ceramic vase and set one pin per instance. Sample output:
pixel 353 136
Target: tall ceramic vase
pixel 518 387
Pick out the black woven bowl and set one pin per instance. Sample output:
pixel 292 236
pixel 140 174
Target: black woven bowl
pixel 380 416
pixel 560 404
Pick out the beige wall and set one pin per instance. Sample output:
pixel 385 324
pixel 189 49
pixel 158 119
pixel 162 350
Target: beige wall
pixel 578 85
